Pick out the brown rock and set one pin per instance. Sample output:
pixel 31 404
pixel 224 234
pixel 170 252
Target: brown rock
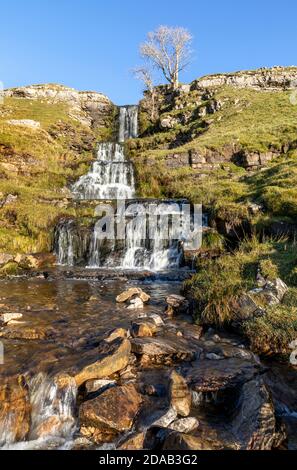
pixel 134 442
pixel 180 441
pixel 130 293
pixel 180 395
pixel 110 413
pixel 117 333
pixel 176 304
pixel 143 328
pixel 157 349
pixel 112 357
pixel 14 410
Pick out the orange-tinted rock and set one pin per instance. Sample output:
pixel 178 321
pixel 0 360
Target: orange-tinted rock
pixel 134 442
pixel 180 395
pixel 14 410
pixel 110 413
pixel 112 357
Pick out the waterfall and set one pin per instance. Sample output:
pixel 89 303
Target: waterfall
pixel 155 246
pixel 128 123
pixel 152 236
pixel 111 176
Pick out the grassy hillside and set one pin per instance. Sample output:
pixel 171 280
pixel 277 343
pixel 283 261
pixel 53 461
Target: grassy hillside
pixel 36 167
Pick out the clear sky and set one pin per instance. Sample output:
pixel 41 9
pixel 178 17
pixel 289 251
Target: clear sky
pixel 93 44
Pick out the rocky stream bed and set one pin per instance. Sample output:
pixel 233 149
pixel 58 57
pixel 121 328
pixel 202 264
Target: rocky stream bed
pixel 85 369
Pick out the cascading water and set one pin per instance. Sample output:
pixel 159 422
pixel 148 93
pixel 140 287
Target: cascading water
pixel 52 409
pixel 112 178
pixel 128 123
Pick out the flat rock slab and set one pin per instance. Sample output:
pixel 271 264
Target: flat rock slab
pixel 213 375
pixel 110 413
pixel 161 346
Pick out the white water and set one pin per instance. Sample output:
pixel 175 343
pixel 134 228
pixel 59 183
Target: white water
pixel 111 176
pixel 128 123
pixel 52 415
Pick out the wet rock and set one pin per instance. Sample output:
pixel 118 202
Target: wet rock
pixel 176 304
pixel 128 374
pixel 116 333
pixel 161 418
pixel 212 376
pixel 99 385
pixel 255 424
pixel 184 425
pixel 156 319
pixel 158 349
pixel 136 304
pixel 179 394
pixel 15 410
pixel 132 292
pixel 143 328
pixel 133 442
pixel 213 357
pixel 180 441
pixel 112 357
pixel 8 317
pixel 109 414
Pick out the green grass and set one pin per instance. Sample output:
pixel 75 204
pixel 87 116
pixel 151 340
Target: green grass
pixel 37 166
pixel 220 281
pixel 272 333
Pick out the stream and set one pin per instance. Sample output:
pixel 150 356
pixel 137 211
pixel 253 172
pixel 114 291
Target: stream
pixel 67 314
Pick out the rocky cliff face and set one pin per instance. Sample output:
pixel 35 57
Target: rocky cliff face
pixel 88 107
pixel 276 78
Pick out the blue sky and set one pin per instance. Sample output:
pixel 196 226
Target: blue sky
pixel 93 45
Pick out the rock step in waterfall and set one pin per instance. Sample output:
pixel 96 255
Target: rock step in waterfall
pixel 154 246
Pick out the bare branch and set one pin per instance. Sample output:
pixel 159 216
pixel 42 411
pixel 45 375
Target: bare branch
pixel 168 49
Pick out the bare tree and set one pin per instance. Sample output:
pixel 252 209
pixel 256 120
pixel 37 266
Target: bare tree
pixel 168 49
pixel 145 75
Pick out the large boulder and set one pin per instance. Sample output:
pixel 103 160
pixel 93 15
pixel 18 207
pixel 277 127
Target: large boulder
pixel 179 394
pixel 255 425
pixel 112 357
pixel 109 414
